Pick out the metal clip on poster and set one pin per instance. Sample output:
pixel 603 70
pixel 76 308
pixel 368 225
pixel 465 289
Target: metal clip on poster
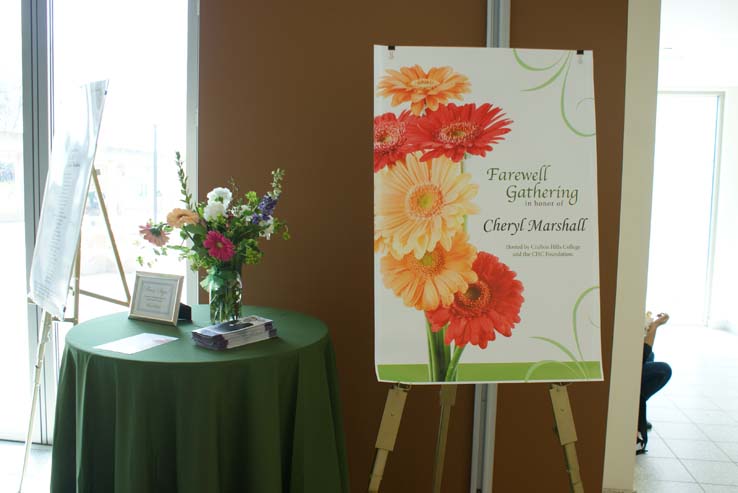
pixel 57 252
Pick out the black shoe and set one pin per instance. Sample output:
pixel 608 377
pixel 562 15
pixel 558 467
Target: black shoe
pixel 641 445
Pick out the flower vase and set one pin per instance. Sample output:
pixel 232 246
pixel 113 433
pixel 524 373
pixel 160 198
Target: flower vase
pixel 226 292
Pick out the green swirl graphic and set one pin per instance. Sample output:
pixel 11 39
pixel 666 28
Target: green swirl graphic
pixel 579 360
pixel 564 64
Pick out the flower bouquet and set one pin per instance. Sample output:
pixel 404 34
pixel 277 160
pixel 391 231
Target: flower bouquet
pixel 422 198
pixel 220 236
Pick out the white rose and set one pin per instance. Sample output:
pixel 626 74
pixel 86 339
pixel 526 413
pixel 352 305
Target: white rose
pixel 220 195
pixel 213 210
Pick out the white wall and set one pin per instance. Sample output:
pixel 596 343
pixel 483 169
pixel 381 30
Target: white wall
pixel 635 218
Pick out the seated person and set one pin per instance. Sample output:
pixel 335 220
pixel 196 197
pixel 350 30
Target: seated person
pixel 654 376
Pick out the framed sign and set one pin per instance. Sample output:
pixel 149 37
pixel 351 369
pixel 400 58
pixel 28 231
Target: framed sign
pixel 156 297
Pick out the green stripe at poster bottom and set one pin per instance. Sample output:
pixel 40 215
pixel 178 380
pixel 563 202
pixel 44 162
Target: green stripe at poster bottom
pixel 553 371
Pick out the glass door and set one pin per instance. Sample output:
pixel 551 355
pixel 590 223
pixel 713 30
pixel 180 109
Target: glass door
pixel 148 52
pixel 144 58
pixel 15 382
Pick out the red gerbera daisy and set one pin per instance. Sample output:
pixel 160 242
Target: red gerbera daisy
pixel 488 305
pixel 454 130
pixel 390 141
pixel 219 246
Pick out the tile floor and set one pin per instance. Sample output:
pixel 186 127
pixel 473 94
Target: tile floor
pixel 11 463
pixel 693 446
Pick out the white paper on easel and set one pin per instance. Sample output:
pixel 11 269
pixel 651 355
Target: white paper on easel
pixel 75 141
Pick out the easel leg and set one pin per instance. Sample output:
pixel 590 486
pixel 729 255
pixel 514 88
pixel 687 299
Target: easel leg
pixel 567 434
pixel 448 399
pixel 75 281
pixel 45 332
pixel 104 210
pixel 388 429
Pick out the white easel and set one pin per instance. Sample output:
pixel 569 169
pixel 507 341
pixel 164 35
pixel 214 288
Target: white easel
pixel 47 320
pixel 60 226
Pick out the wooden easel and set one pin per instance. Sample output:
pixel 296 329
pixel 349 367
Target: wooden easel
pixel 46 319
pixel 567 433
pixel 76 291
pixel 389 427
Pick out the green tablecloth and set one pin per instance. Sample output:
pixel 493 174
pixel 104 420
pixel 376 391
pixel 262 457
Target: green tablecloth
pixel 178 418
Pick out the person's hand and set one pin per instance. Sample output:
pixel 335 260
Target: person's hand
pixel 661 319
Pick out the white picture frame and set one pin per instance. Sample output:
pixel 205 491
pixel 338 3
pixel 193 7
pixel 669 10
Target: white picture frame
pixel 156 297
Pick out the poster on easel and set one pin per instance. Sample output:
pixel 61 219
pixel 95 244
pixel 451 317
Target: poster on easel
pixel 67 184
pixel 486 262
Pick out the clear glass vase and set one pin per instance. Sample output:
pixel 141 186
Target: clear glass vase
pixel 226 294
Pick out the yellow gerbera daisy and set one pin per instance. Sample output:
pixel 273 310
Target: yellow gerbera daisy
pixel 433 280
pixel 423 88
pixel 417 205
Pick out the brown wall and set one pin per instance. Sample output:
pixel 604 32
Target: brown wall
pixel 527 455
pixel 289 84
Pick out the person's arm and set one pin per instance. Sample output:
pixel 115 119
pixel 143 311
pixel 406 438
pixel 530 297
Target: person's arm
pixel 661 319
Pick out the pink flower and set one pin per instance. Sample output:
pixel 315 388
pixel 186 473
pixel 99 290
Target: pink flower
pixel 154 233
pixel 219 246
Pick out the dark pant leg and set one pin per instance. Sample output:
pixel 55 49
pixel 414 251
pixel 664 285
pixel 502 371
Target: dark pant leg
pixel 655 376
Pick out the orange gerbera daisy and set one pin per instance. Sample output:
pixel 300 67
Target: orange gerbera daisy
pixel 179 217
pixel 380 244
pixel 418 205
pixel 431 281
pixel 422 88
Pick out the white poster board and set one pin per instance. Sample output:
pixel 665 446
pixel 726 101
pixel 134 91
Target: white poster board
pixel 77 124
pixel 486 259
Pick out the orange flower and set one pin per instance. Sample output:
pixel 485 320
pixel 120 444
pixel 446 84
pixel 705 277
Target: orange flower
pixel 179 217
pixel 432 281
pixel 418 205
pixel 380 245
pixel 422 88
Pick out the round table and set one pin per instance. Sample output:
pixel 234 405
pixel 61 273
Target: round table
pixel 261 418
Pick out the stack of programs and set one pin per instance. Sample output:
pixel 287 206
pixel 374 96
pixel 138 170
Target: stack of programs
pixel 235 333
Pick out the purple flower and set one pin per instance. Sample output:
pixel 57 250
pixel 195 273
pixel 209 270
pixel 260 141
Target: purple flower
pixel 267 205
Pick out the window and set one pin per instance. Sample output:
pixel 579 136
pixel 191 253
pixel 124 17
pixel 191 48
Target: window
pixel 148 52
pixel 14 352
pixel 682 214
pixel 144 57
